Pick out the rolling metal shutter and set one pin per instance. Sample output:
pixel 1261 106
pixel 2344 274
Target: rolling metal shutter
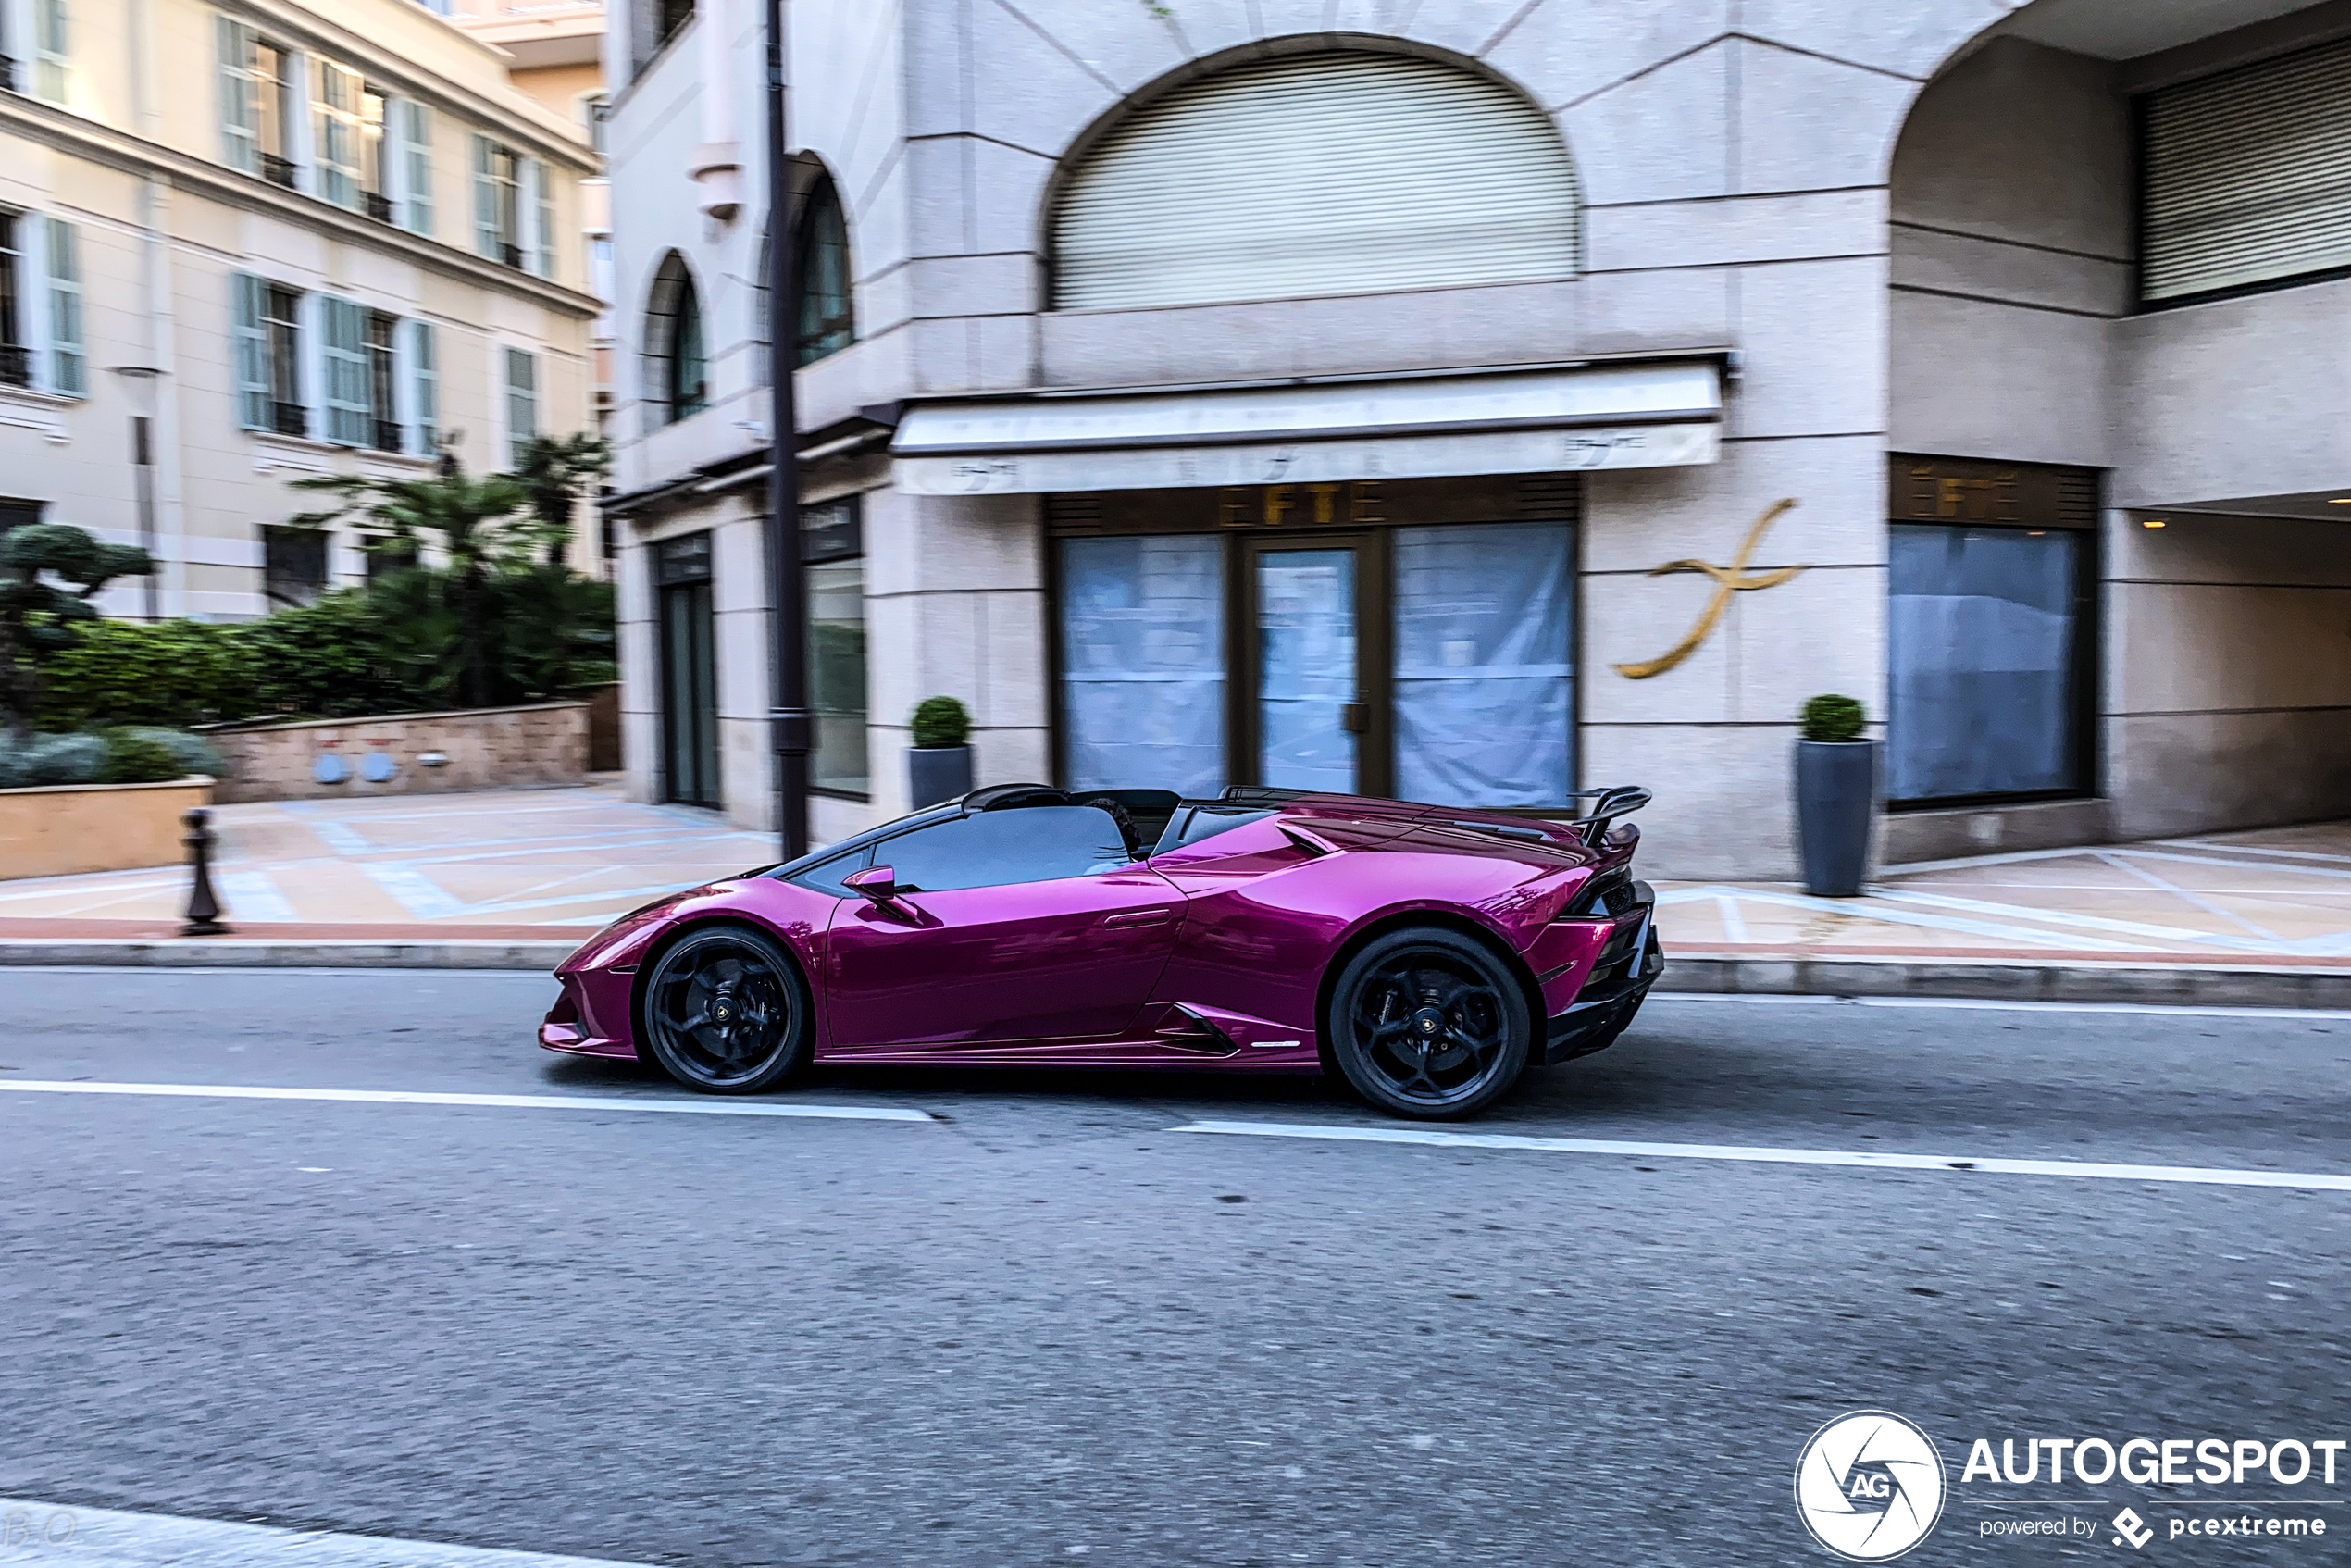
pixel 1320 174
pixel 2249 177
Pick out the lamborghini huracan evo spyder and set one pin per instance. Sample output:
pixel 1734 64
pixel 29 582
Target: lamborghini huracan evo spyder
pixel 1429 954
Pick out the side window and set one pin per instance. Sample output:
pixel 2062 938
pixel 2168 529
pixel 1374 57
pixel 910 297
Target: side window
pixel 997 848
pixel 825 877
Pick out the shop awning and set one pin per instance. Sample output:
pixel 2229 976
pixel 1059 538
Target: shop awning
pixel 1648 415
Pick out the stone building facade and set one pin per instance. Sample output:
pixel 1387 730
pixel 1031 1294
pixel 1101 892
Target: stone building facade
pixel 1350 391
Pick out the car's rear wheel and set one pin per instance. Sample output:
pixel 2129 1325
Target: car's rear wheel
pixel 1426 1022
pixel 725 1012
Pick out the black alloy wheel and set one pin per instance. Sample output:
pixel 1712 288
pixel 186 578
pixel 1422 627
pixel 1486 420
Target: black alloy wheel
pixel 1429 1023
pixel 724 1011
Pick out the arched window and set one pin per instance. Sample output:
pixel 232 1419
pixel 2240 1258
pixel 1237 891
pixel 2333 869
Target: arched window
pixel 677 380
pixel 1331 173
pixel 827 321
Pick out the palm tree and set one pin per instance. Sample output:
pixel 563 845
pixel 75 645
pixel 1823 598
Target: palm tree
pixel 558 470
pixel 477 523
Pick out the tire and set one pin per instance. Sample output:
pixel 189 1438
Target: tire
pixel 724 1011
pixel 1428 986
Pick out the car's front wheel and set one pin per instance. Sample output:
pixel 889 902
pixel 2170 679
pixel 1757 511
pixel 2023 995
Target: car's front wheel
pixel 725 1012
pixel 1429 1023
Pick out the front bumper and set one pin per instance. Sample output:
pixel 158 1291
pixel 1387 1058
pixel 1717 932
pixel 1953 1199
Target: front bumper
pixel 576 1025
pixel 1619 982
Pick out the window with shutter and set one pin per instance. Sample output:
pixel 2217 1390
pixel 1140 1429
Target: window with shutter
pixel 281 323
pixel 2246 178
pixel 16 359
pixel 341 134
pixel 253 400
pixel 1394 172
pixel 415 142
pixel 522 404
pixel 52 45
pixel 240 106
pixel 68 369
pixel 344 356
pixel 539 189
pixel 424 390
pixel 488 234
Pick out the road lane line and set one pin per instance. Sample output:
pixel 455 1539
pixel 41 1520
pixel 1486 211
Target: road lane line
pixel 517 1102
pixel 2308 1181
pixel 38 1532
pixel 1985 1004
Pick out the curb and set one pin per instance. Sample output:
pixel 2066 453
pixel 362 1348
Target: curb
pixel 1991 979
pixel 231 952
pixel 1994 980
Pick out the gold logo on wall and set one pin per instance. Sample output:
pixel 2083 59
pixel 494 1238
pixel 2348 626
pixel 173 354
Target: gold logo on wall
pixel 1727 580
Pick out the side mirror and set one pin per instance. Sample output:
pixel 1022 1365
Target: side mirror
pixel 879 883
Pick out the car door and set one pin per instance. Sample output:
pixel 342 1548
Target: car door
pixel 1024 923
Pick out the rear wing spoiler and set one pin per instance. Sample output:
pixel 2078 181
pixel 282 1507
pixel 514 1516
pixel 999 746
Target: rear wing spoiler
pixel 1617 800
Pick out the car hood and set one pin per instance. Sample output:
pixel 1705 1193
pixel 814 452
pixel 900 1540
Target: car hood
pixel 632 927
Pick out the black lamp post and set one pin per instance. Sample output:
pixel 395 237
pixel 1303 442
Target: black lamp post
pixel 788 603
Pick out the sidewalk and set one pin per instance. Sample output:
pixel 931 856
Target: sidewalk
pixel 517 877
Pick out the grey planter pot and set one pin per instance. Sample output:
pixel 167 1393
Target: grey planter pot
pixel 938 773
pixel 1836 809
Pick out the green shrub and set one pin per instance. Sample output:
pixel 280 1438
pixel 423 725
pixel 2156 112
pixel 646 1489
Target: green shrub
pixel 133 758
pixel 1832 718
pixel 52 759
pixel 941 721
pixel 396 646
pixel 172 672
pixel 192 754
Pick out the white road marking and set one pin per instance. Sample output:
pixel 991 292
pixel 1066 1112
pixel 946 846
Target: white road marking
pixel 2308 1181
pixel 514 1101
pixel 255 895
pixel 38 1532
pixel 2176 1009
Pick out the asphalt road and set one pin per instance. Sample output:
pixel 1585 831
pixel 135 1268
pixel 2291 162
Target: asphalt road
pixel 1048 1327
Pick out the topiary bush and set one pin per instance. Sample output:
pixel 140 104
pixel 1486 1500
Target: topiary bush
pixel 133 758
pixel 941 721
pixel 1832 717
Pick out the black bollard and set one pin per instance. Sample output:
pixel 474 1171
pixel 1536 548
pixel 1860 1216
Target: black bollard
pixel 204 909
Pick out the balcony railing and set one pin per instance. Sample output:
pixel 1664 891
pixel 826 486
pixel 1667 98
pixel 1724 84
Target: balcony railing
pixel 510 255
pixel 16 365
pixel 278 170
pixel 378 206
pixel 290 419
pixel 386 435
pixel 8 75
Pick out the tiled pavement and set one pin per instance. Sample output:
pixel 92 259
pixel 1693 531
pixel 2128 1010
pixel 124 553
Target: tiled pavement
pixel 503 864
pixel 555 863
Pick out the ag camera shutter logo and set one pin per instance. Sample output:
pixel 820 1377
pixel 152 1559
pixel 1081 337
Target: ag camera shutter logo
pixel 1868 1486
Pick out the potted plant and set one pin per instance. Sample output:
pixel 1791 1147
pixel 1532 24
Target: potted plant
pixel 1835 795
pixel 940 767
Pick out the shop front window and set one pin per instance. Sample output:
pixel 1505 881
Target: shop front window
pixel 1327 642
pixel 1483 664
pixel 1988 625
pixel 1143 663
pixel 832 542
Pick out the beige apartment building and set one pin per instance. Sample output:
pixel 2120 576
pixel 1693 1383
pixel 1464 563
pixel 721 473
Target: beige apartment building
pixel 250 241
pixel 555 49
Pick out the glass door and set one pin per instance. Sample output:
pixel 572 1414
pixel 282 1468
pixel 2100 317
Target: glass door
pixel 688 672
pixel 1310 709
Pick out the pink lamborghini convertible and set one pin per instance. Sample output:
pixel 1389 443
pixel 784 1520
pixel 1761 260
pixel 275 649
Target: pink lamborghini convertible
pixel 1429 955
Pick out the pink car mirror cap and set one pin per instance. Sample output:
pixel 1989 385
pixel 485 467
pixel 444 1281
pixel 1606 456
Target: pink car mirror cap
pixel 879 883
